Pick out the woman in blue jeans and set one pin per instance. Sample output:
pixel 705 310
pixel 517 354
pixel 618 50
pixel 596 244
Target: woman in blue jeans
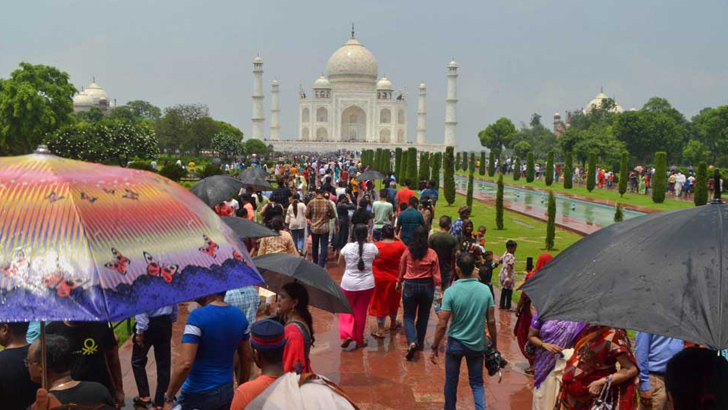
pixel 419 270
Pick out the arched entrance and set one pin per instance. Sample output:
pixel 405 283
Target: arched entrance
pixel 353 124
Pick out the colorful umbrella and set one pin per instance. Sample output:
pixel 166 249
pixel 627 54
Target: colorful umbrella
pixel 89 242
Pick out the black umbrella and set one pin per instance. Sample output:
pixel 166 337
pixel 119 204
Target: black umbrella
pixel 663 273
pixel 370 176
pixel 253 171
pixel 215 189
pixel 246 229
pixel 278 269
pixel 256 181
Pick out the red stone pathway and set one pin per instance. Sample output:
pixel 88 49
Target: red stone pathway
pixel 378 377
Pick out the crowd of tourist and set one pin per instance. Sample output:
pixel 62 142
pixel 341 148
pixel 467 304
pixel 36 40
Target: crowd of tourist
pixel 395 251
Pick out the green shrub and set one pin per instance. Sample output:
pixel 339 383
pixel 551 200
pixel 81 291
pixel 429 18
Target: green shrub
pixel 469 196
pixel 424 171
pixel 449 175
pixel 551 225
pixel 701 184
pixel 658 180
pixel 491 163
pixel 412 166
pixel 623 173
pixel 499 204
pixel 457 161
pixel 530 168
pixel 209 171
pixel 142 165
pixel 173 172
pixel 517 170
pixel 550 168
pixel 568 171
pixel 398 162
pixel 436 165
pixel 618 213
pixel 591 178
pixel 481 169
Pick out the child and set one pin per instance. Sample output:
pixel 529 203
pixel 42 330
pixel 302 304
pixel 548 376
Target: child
pixel 485 271
pixel 480 237
pixel 507 274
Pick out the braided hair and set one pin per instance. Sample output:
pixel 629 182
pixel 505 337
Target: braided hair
pixel 360 235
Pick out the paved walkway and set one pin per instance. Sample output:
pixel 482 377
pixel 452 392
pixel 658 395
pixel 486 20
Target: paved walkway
pixel 378 377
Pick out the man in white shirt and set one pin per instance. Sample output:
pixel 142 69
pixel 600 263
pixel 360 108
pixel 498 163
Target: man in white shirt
pixel 679 182
pixel 233 203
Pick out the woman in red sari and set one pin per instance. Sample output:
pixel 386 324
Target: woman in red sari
pixel 386 270
pixel 596 352
pixel 524 312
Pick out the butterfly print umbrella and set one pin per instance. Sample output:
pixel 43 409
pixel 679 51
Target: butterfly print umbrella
pixel 89 242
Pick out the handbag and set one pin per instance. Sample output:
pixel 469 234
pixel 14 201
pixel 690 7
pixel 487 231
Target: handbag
pixel 605 400
pixel 529 350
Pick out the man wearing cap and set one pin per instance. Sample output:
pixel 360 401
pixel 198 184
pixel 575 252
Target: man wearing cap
pixel 268 340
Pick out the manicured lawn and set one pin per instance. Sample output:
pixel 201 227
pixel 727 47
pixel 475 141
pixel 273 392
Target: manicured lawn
pixel 604 194
pixel 529 233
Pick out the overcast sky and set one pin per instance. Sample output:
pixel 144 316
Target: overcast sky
pixel 516 57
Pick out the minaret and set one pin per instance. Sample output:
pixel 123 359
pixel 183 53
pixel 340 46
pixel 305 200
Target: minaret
pixel 451 116
pixel 275 128
pixel 421 113
pixel 258 117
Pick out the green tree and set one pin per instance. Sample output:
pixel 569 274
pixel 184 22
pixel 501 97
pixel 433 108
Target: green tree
pixel 457 161
pixel 481 169
pixel 710 127
pixel 227 145
pixel 436 165
pixel 695 152
pixel 517 170
pixel 497 135
pixel 568 171
pixel 77 141
pixel 449 175
pixel 551 225
pixel 412 165
pixel 424 171
pixel 94 114
pixel 550 169
pixel 34 102
pixel 701 185
pixel 173 172
pixel 144 109
pixel 469 196
pixel 591 178
pixel 397 162
pixel 464 161
pixel 658 181
pixel 522 148
pixel 403 171
pixel 491 164
pixel 647 130
pixel 623 173
pixel 254 146
pixel 530 168
pixel 386 161
pixel 499 204
pixel 618 213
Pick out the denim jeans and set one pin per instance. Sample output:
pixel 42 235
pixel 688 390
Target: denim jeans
pixel 377 235
pixel 416 301
pixel 299 238
pixel 219 398
pixel 322 241
pixel 453 357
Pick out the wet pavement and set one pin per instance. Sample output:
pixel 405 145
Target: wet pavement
pixel 378 376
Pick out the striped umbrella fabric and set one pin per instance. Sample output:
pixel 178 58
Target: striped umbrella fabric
pixel 89 242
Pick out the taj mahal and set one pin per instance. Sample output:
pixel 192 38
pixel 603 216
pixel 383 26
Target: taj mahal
pixel 351 108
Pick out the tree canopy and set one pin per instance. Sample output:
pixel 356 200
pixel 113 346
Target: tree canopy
pixel 497 135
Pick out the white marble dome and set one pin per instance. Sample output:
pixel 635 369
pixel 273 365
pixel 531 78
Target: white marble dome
pixel 352 60
pixel 322 83
pixel 384 84
pixel 596 102
pixel 82 100
pixel 95 93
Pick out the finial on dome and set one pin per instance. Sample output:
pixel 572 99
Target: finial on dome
pixel 352 30
pixel 601 89
pixel 93 78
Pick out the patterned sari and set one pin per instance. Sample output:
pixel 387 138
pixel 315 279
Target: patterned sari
pixel 595 356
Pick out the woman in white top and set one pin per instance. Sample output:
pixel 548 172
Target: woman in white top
pixel 358 286
pixel 296 221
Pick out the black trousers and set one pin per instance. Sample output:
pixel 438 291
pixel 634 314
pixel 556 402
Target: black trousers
pixel 505 300
pixel 159 336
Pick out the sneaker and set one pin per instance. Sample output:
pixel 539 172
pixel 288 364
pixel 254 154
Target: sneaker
pixel 411 352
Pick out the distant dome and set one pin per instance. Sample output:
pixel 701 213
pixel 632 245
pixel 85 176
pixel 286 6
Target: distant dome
pixel 557 115
pixel 618 109
pixel 95 93
pixel 384 84
pixel 352 61
pixel 422 86
pixel 633 109
pixel 453 64
pixel 596 102
pixel 82 100
pixel 322 83
pixel 258 60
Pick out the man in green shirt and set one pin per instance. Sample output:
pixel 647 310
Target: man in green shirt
pixel 468 303
pixel 383 212
pixel 408 220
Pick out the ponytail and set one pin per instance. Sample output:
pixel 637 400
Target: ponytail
pixel 296 197
pixel 360 234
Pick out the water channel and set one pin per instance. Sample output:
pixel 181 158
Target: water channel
pixel 589 212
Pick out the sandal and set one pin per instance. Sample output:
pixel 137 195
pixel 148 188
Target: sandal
pixel 142 403
pixel 377 335
pixel 397 326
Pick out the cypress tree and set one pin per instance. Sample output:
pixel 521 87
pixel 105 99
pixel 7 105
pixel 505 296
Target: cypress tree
pixel 412 166
pixel 464 161
pixel 449 165
pixel 551 225
pixel 530 168
pixel 623 174
pixel 457 161
pixel 491 163
pixel 568 171
pixel 481 170
pixel 397 162
pixel 424 171
pixel 403 171
pixel 469 197
pixel 377 159
pixel 499 204
pixel 517 170
pixel 658 180
pixel 591 178
pixel 386 161
pixel 618 213
pixel 701 184
pixel 436 165
pixel 550 168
